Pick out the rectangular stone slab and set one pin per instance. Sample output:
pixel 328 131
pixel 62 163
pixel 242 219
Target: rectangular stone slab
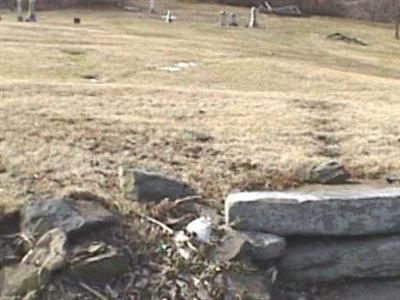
pixel 321 260
pixel 340 213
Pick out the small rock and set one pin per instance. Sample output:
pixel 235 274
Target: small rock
pixel 100 266
pixel 72 217
pixel 251 245
pixel 331 172
pixel 147 186
pixel 392 179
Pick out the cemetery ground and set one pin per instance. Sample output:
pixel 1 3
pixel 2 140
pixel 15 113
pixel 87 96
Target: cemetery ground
pixel 221 108
pixel 77 101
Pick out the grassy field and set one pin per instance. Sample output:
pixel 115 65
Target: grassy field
pixel 76 101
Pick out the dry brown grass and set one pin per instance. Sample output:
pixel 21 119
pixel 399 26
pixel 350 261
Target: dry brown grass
pixel 273 98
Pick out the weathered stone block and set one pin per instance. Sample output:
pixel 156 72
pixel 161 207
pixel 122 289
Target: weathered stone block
pixel 324 261
pixel 340 213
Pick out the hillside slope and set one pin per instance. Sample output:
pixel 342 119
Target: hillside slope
pixel 78 101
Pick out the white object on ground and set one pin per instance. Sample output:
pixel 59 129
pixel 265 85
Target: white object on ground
pixel 202 228
pixel 178 66
pixel 182 241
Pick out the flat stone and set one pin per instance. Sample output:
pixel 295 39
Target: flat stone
pixel 142 185
pixel 72 217
pixel 331 260
pixel 336 213
pixel 251 245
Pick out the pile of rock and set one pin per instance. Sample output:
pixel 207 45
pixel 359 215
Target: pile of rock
pixel 51 228
pixel 303 237
pixel 332 235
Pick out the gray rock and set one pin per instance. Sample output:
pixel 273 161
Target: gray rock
pixel 72 217
pixel 317 261
pixel 331 172
pixel 99 263
pixel 138 184
pixel 251 245
pixel 340 213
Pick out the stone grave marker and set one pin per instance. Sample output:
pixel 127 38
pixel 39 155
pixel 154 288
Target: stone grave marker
pixel 233 20
pixel 253 17
pixel 31 11
pixel 169 17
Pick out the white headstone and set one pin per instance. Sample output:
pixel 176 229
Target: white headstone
pixel 253 17
pixel 169 17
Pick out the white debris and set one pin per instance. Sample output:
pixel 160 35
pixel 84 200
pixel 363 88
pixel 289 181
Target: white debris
pixel 201 227
pixel 185 248
pixel 97 80
pixel 178 66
